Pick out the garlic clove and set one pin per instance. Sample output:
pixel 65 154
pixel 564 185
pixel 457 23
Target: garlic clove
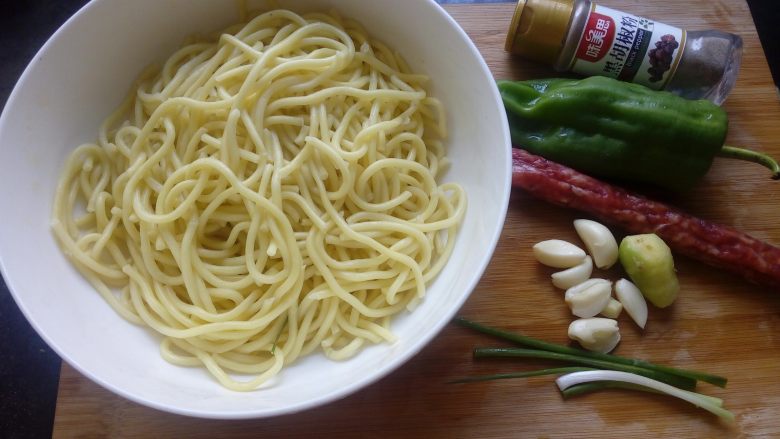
pixel 595 334
pixel 573 276
pixel 599 241
pixel 633 301
pixel 608 344
pixel 589 298
pixel 585 285
pixel 558 253
pixel 612 310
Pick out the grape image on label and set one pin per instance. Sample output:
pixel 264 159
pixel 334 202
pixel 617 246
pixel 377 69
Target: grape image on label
pixel 661 57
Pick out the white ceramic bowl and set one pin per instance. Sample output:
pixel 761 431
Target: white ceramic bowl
pixel 81 74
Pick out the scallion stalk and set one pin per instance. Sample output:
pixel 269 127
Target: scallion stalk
pixel 614 359
pixel 533 373
pixel 584 388
pixel 712 405
pixel 674 380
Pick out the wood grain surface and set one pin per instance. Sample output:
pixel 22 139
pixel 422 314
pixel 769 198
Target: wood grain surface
pixel 719 324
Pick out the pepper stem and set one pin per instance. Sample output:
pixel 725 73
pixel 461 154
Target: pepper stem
pixel 732 152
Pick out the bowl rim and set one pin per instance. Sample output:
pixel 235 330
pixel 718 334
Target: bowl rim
pixel 357 384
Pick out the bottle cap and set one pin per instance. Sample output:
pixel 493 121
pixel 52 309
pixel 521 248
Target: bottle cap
pixel 539 28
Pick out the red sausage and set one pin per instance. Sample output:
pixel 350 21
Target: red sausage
pixel 713 244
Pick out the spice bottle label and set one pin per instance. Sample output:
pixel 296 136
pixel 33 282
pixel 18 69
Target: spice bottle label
pixel 628 48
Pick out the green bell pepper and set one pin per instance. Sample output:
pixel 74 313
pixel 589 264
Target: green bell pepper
pixel 620 130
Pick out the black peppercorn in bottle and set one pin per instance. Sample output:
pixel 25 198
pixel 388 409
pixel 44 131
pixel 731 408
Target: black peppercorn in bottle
pixel 590 39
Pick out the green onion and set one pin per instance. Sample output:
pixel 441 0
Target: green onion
pixel 533 373
pixel 613 359
pixel 712 405
pixel 584 388
pixel 674 380
pixel 581 389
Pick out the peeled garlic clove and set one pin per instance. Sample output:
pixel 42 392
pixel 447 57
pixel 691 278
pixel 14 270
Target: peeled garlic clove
pixel 595 334
pixel 599 241
pixel 585 285
pixel 558 254
pixel 589 298
pixel 612 310
pixel 633 301
pixel 573 276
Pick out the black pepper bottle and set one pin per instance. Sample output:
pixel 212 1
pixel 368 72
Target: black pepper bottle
pixel 590 39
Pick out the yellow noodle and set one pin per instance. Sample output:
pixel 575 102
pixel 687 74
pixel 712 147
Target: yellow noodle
pixel 264 195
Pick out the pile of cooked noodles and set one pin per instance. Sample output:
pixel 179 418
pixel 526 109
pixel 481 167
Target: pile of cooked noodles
pixel 263 195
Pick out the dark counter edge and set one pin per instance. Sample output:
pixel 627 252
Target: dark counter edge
pixel 29 369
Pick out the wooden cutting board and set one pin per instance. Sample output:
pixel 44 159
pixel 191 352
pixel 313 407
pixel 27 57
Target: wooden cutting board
pixel 720 323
